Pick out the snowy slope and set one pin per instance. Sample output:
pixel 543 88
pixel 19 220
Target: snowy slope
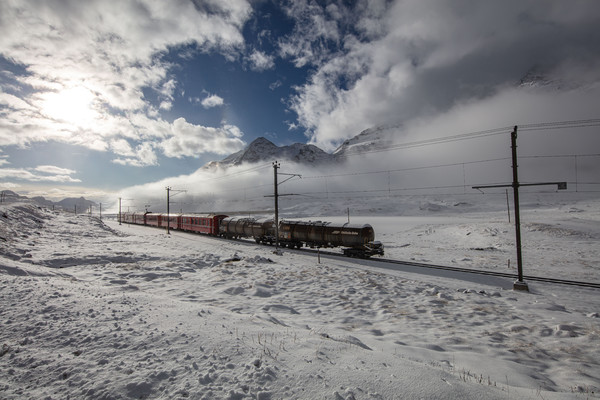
pixel 93 309
pixel 368 140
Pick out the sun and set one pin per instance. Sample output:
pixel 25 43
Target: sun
pixel 72 106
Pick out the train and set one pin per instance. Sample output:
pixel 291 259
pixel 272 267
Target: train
pixel 356 240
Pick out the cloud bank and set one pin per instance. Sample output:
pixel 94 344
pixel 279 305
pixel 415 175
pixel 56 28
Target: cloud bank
pixel 387 63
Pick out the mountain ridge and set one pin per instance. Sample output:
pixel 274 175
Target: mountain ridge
pixel 262 149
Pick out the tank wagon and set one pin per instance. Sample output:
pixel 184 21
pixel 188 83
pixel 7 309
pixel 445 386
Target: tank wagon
pixel 262 230
pixel 357 240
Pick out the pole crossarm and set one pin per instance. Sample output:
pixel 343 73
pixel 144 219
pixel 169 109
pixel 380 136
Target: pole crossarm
pixel 561 185
pixel 281 195
pixel 291 176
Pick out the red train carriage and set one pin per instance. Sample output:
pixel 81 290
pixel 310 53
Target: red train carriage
pixel 171 219
pixel 138 218
pixel 152 219
pixel 132 218
pixel 126 218
pixel 207 224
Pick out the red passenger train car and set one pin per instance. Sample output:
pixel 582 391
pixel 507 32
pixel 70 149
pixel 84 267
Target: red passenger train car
pixel 207 224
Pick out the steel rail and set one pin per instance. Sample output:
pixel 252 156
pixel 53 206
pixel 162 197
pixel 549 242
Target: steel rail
pixel 595 285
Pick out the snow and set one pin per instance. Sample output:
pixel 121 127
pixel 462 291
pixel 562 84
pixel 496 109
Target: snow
pixel 94 309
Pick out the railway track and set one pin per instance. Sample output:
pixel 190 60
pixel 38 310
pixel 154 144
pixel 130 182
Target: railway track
pixel 595 285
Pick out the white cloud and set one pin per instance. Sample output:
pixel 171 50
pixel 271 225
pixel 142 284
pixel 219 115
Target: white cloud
pixel 143 156
pixel 51 169
pixel 189 140
pixel 101 57
pixel 26 175
pixel 121 147
pixel 275 84
pixel 212 101
pixel 260 61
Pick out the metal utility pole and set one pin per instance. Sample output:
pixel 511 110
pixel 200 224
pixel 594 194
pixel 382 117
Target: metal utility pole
pixel 520 284
pixel 120 209
pixel 276 195
pixel 168 216
pixel 168 205
pixel 276 165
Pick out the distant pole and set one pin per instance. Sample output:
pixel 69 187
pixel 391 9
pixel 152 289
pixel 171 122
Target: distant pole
pixel 520 284
pixel 348 214
pixel 168 219
pixel 275 166
pixel 75 209
pixel 119 211
pixel 508 206
pixel 100 211
pixel 576 177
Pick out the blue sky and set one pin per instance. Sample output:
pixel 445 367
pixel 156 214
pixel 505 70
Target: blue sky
pixel 100 96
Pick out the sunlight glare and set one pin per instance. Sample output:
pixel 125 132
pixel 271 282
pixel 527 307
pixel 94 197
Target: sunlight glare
pixel 72 105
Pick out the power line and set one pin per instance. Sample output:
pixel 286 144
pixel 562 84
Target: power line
pixel 561 156
pixel 484 133
pixel 433 141
pixel 406 169
pixel 582 123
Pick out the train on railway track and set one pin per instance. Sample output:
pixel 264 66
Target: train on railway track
pixel 355 240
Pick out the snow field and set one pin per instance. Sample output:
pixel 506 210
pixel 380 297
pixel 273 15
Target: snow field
pixel 90 310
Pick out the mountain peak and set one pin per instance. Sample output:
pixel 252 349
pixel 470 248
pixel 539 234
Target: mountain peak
pixel 260 141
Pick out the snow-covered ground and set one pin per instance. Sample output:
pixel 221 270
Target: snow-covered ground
pixel 94 309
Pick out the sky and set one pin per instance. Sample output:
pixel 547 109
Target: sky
pixel 112 98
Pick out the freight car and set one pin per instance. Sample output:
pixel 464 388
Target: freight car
pixel 356 240
pixel 262 230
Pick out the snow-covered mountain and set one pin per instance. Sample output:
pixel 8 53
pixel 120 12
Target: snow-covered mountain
pixel 263 149
pixel 79 205
pixel 371 139
pixel 536 78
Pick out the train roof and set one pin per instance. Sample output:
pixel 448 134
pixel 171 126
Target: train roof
pixel 202 215
pixel 324 223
